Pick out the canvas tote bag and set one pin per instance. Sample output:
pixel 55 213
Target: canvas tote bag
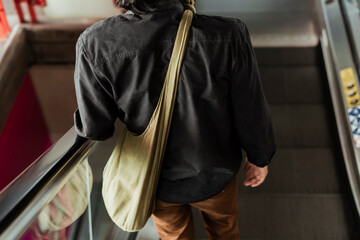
pixel 131 174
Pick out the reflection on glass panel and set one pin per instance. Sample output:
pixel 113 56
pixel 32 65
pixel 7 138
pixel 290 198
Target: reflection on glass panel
pixel 75 214
pixel 102 226
pixel 56 220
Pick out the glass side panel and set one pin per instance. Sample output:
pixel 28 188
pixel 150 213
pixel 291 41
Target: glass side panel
pixel 60 218
pixel 25 129
pixel 78 212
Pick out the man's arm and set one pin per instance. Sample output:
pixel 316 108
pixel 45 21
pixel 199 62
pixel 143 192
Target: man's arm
pixel 251 112
pixel 94 119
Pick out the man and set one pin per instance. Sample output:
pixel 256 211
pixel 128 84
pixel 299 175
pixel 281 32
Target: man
pixel 220 107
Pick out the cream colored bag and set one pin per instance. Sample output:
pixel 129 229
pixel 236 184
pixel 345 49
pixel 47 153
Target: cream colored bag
pixel 131 175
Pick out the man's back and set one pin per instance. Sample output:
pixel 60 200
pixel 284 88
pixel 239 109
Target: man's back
pixel 121 67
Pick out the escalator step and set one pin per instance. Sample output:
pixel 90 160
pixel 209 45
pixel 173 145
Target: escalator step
pixel 301 125
pixel 284 56
pixel 302 170
pixel 293 85
pixel 292 216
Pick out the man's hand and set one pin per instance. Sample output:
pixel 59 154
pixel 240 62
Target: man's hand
pixel 256 175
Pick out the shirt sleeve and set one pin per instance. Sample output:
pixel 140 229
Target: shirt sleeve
pixel 94 119
pixel 251 112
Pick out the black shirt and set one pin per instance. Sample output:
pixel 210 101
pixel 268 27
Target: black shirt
pixel 220 106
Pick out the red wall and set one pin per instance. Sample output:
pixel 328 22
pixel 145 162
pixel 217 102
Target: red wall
pixel 24 136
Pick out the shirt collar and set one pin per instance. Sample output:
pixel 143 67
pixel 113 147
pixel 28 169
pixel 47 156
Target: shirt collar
pixel 172 5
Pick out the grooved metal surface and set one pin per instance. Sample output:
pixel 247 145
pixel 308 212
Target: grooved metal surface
pixel 306 194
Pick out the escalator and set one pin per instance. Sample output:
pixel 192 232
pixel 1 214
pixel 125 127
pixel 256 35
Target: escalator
pixel 308 194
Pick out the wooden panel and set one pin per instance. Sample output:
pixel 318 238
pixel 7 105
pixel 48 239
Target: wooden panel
pixel 55 33
pixel 53 53
pixel 54 44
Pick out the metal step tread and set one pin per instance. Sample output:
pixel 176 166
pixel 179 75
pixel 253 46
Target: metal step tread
pixel 293 216
pixel 288 56
pixel 294 85
pixel 302 171
pixel 302 125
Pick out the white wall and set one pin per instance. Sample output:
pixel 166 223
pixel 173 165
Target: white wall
pixel 106 8
pixel 80 9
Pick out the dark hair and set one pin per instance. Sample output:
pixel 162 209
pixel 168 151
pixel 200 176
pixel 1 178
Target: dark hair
pixel 142 6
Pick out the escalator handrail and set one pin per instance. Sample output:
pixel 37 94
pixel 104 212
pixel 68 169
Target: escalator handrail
pixel 22 200
pixel 351 23
pixel 338 56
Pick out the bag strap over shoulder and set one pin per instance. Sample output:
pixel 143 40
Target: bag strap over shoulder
pixel 189 4
pixel 172 76
pixel 131 175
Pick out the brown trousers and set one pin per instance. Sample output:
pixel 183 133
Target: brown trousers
pixel 220 215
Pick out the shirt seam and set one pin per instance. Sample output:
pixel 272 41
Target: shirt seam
pixel 95 68
pixel 93 65
pixel 133 53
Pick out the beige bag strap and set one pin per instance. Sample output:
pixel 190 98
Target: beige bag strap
pixel 131 175
pixel 189 4
pixel 168 94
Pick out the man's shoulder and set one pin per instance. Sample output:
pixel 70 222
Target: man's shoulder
pixel 224 26
pixel 107 36
pixel 106 26
pixel 220 19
